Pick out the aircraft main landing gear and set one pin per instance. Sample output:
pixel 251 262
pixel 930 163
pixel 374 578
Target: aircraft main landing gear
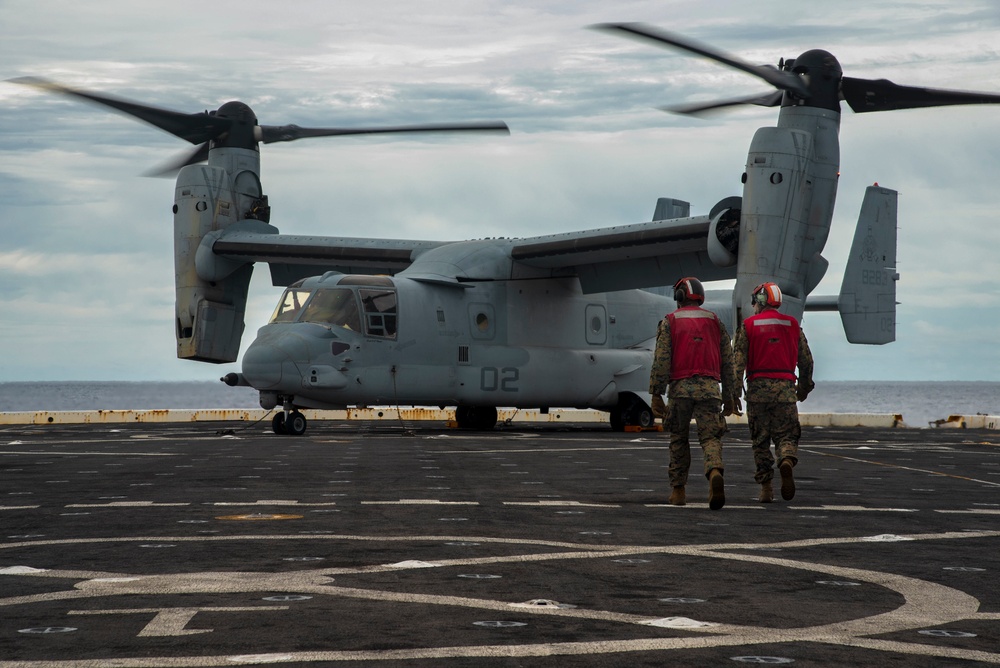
pixel 480 418
pixel 631 412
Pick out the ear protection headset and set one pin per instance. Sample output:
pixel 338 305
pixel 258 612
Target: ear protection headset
pixel 679 291
pixel 689 288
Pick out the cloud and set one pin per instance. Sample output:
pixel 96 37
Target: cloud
pixel 83 233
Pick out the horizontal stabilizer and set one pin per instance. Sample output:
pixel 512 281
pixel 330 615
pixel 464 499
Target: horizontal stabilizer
pixel 867 301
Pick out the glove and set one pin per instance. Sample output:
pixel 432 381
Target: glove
pixel 801 392
pixel 659 408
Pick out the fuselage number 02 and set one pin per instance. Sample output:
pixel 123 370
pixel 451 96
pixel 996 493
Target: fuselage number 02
pixel 492 379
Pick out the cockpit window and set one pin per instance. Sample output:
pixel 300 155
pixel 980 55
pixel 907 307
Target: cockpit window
pixel 361 279
pixel 380 312
pixel 290 305
pixel 336 307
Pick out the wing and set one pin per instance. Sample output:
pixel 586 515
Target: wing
pixel 615 258
pixel 629 256
pixel 294 257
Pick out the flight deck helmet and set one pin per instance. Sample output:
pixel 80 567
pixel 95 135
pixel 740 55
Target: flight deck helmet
pixel 767 294
pixel 689 288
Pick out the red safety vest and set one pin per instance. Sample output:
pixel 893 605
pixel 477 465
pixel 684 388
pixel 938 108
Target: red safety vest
pixel 773 339
pixel 695 341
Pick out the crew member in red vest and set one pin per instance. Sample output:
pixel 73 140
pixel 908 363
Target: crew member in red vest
pixel 769 346
pixel 694 356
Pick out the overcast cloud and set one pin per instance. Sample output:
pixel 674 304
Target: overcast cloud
pixel 86 267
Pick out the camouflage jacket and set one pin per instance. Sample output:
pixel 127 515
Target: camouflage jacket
pixel 699 387
pixel 775 390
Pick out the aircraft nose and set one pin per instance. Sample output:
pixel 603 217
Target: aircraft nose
pixel 265 365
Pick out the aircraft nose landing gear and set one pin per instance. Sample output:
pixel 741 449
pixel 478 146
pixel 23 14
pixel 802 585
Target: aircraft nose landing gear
pixel 292 423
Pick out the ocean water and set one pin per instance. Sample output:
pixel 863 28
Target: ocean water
pixel 121 395
pixel 919 402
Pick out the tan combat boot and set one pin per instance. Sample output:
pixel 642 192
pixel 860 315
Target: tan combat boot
pixel 787 481
pixel 677 496
pixel 716 490
pixel 766 493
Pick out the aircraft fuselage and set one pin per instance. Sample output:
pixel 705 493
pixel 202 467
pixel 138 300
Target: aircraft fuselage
pixel 518 343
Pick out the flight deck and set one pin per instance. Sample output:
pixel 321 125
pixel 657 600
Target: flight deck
pixel 412 544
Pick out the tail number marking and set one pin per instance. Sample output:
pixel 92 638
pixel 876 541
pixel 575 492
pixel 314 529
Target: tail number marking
pixel 874 277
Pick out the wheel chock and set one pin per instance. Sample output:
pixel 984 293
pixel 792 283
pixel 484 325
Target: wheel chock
pixel 638 428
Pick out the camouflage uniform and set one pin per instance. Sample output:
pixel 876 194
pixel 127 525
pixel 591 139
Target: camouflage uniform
pixel 772 413
pixel 688 398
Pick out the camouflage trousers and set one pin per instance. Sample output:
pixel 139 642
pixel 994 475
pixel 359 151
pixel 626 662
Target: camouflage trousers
pixel 707 414
pixel 773 421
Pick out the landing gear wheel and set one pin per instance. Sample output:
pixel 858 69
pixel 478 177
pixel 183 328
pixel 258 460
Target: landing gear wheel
pixel 631 413
pixel 479 418
pixel 641 415
pixel 486 418
pixel 278 423
pixel 295 424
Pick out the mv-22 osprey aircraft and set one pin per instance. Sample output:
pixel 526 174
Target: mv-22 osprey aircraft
pixel 565 320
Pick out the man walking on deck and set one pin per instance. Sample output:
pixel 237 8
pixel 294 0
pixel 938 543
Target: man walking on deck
pixel 768 347
pixel 693 354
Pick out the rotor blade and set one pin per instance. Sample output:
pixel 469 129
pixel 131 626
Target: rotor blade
pixel 276 133
pixel 195 128
pixel 883 95
pixel 706 108
pixel 772 75
pixel 171 167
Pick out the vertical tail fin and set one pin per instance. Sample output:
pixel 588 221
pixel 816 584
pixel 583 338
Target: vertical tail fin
pixel 867 301
pixel 668 208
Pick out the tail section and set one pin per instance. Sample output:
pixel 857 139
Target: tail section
pixel 668 208
pixel 867 301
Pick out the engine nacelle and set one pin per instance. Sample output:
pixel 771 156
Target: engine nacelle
pixel 724 232
pixel 211 305
pixel 790 184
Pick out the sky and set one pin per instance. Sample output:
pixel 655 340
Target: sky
pixel 86 268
